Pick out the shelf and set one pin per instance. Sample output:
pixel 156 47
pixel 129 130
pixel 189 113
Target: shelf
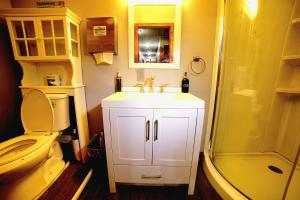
pixel 289 91
pixel 33 12
pixel 51 38
pixel 296 22
pixel 43 59
pixel 51 87
pixel 69 90
pixel 23 39
pixel 292 59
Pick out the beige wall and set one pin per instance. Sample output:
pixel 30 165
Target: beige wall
pixel 198 30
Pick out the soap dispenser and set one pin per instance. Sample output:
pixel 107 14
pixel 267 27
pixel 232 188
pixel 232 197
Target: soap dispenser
pixel 118 83
pixel 185 83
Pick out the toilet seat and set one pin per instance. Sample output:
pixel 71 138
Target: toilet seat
pixel 37 113
pixel 18 147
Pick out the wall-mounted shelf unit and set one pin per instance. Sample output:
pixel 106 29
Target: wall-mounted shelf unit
pixel 43 37
pixel 284 115
pixel 296 22
pixel 45 42
pixel 290 91
pixel 292 59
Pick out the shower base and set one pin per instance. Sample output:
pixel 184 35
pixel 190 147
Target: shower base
pixel 252 175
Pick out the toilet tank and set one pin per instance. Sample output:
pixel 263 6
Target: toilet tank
pixel 60 105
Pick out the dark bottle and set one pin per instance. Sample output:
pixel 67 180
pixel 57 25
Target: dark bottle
pixel 118 83
pixel 185 83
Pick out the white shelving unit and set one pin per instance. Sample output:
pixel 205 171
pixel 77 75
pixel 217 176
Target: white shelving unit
pixel 46 41
pixel 284 115
pixel 289 76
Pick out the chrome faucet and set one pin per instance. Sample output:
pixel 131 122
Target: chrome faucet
pixel 149 81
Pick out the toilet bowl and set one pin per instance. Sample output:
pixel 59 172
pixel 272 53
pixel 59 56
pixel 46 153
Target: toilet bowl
pixel 31 162
pixel 21 154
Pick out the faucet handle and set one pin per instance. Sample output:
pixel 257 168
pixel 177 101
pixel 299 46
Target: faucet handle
pixel 149 79
pixel 141 86
pixel 162 87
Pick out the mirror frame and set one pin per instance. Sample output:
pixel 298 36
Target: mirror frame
pixel 176 40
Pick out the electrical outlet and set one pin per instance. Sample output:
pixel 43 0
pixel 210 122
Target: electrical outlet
pixel 140 75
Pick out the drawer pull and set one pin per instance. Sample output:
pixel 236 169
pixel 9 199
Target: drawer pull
pixel 147 130
pixel 155 130
pixel 149 177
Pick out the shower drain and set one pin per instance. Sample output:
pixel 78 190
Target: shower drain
pixel 275 169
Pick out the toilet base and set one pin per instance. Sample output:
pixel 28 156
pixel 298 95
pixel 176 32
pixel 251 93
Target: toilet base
pixel 36 182
pixel 33 185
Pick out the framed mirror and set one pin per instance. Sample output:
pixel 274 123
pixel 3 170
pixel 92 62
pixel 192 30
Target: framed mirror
pixel 154 35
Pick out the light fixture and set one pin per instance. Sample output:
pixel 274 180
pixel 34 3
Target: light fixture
pixel 250 8
pixel 147 45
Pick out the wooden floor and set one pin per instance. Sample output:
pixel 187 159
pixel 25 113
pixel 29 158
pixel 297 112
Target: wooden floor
pixel 98 188
pixel 67 184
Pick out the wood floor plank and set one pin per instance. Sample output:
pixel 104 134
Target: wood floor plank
pixel 67 184
pixel 98 188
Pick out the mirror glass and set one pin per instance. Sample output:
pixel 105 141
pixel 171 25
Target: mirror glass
pixel 154 36
pixel 154 43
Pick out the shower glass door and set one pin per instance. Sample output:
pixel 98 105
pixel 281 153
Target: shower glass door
pixel 256 128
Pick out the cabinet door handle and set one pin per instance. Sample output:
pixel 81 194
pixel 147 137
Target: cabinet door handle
pixel 155 130
pixel 147 130
pixel 145 176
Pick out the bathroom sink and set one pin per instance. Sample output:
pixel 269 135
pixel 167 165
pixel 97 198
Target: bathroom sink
pixel 150 100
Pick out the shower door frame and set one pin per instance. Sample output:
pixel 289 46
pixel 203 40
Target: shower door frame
pixel 219 182
pixel 216 94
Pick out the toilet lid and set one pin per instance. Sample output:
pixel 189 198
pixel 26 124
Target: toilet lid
pixel 36 111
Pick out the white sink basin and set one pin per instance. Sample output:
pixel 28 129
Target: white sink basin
pixel 150 100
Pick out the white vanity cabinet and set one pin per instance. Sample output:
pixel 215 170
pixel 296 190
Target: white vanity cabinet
pixel 153 136
pixel 152 142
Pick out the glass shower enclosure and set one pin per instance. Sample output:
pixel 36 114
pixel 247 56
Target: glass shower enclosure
pixel 256 129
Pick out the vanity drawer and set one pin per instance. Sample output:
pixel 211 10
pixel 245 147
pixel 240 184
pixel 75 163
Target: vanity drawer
pixel 152 174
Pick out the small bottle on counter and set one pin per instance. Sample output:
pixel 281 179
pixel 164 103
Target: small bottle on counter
pixel 185 84
pixel 118 83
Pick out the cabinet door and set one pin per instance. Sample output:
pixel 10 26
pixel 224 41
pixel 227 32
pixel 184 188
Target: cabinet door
pixel 173 136
pixel 53 36
pixel 73 33
pixel 131 136
pixel 24 34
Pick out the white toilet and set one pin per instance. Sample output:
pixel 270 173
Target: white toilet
pixel 31 162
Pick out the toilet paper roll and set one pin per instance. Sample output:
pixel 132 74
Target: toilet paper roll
pixel 76 149
pixel 53 80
